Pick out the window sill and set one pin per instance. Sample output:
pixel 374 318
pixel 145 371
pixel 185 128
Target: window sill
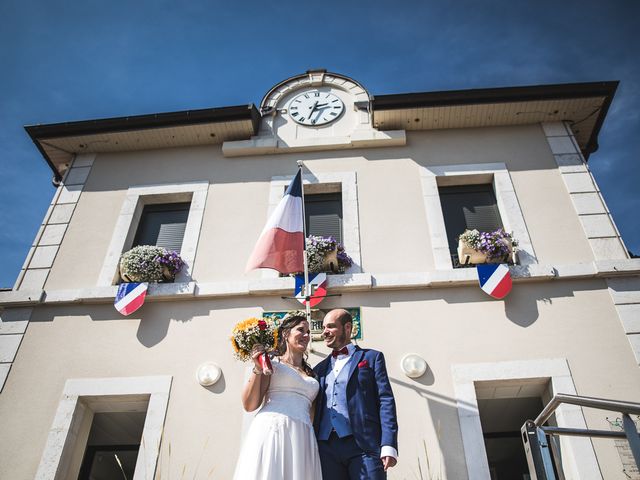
pixel 462 277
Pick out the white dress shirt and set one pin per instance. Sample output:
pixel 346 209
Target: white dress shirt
pixel 337 364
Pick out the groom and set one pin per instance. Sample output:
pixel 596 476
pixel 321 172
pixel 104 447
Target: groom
pixel 355 419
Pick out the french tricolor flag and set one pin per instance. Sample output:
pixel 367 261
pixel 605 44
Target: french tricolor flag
pixel 130 297
pixel 281 243
pixel 494 279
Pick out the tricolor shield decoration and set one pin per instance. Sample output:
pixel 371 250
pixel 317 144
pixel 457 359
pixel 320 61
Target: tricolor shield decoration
pixel 495 279
pixel 318 282
pixel 130 297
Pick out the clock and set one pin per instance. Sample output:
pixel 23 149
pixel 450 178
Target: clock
pixel 315 108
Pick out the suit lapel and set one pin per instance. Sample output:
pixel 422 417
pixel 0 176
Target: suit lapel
pixel 355 360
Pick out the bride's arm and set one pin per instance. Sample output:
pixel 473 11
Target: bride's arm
pixel 255 389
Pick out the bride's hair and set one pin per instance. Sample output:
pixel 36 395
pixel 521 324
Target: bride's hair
pixel 289 322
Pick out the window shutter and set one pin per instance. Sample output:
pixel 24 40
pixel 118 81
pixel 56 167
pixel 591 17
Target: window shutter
pixel 468 207
pixel 323 215
pixel 163 225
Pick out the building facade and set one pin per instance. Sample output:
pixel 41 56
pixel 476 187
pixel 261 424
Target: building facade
pixel 396 177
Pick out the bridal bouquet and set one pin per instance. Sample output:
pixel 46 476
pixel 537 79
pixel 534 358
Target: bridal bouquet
pixel 251 332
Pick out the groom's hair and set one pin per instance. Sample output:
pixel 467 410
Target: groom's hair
pixel 344 317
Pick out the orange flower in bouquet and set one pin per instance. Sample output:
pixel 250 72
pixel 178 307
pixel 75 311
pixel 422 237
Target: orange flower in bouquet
pixel 251 332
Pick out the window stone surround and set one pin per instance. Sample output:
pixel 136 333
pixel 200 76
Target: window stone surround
pixel 495 173
pixel 137 197
pixel 81 398
pixel 579 460
pixel 344 182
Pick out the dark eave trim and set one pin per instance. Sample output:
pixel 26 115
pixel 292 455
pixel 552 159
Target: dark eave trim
pixel 145 122
pixel 505 95
pixel 493 95
pixel 139 122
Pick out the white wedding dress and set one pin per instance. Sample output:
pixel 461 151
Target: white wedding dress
pixel 281 443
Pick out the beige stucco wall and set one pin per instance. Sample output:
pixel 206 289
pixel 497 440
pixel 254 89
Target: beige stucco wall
pixel 561 319
pixel 555 319
pixel 390 201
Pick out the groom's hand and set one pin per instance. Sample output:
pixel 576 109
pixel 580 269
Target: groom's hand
pixel 388 462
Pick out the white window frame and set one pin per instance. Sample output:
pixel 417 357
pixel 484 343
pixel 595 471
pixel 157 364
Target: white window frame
pixel 126 225
pixel 507 202
pixel 82 398
pixel 350 216
pixel 578 456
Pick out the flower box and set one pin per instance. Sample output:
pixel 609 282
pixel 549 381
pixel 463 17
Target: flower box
pixel 148 263
pixel 476 247
pixel 330 261
pixel 326 254
pixel 468 255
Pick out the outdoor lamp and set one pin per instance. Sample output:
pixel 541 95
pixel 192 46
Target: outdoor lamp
pixel 208 374
pixel 413 365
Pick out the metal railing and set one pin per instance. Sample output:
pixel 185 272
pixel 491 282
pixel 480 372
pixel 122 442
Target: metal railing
pixel 539 450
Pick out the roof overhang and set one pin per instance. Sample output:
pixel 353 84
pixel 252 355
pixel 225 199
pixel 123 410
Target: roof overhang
pixel 583 105
pixel 59 142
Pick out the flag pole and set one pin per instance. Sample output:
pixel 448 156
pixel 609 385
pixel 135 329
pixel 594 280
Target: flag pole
pixel 307 291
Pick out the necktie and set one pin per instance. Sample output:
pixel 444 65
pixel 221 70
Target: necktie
pixel 343 351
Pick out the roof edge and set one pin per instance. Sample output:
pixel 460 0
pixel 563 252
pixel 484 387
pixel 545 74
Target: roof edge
pixel 494 95
pixel 605 89
pixel 37 133
pixel 145 122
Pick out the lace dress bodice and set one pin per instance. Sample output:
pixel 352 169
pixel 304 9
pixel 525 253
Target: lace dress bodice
pixel 290 393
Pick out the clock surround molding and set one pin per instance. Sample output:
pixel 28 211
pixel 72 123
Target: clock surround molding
pixel 278 133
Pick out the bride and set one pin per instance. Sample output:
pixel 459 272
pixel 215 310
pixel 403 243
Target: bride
pixel 281 444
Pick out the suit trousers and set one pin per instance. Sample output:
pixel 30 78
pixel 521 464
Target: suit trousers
pixel 343 459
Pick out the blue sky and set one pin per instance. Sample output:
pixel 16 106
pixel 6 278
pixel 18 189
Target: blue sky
pixel 65 61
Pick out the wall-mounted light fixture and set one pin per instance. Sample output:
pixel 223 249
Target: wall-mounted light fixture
pixel 413 365
pixel 208 374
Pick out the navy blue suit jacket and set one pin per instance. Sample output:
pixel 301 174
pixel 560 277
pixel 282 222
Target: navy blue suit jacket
pixel 372 408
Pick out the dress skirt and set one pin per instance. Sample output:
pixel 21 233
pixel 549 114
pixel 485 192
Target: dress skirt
pixel 279 447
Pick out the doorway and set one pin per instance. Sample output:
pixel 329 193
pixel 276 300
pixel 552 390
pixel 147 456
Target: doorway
pixel 503 407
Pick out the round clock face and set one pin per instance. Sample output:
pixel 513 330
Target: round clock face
pixel 315 108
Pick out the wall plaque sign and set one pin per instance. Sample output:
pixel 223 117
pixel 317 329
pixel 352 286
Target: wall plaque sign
pixel 317 315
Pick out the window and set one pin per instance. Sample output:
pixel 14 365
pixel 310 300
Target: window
pixel 99 418
pixel 468 207
pixel 544 378
pixel 494 176
pixel 331 207
pixel 113 445
pixel 163 225
pixel 140 202
pixel 323 214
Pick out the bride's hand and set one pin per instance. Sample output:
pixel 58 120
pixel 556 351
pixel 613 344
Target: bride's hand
pixel 256 351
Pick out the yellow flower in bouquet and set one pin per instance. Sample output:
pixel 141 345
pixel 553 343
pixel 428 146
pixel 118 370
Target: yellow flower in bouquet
pixel 250 332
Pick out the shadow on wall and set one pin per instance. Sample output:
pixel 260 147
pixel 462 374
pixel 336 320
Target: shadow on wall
pixel 429 463
pixel 521 305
